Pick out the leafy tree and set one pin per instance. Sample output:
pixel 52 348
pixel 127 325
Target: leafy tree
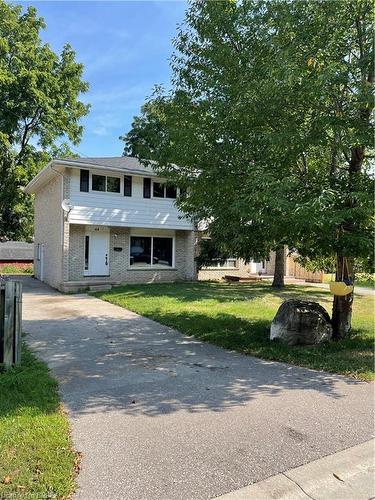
pixel 269 122
pixel 240 225
pixel 40 107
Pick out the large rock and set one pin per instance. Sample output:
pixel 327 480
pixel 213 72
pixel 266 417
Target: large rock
pixel 301 322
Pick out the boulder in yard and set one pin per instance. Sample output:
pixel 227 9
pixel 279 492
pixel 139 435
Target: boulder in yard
pixel 301 322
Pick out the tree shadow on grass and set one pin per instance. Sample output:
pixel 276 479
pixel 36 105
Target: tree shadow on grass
pixel 28 388
pixel 138 366
pixel 218 292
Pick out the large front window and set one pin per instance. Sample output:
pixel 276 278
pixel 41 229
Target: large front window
pixel 151 251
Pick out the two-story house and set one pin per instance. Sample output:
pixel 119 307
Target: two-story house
pixel 105 221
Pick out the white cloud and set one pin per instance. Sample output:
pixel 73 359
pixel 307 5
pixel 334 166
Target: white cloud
pixel 101 131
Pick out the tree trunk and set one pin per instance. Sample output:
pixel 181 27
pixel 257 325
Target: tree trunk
pixel 342 305
pixel 278 277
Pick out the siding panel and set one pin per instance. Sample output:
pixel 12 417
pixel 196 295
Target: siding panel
pixel 118 210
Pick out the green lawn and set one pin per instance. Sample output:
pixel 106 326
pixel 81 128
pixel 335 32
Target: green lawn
pixel 238 316
pixel 36 457
pixel 16 269
pixel 363 280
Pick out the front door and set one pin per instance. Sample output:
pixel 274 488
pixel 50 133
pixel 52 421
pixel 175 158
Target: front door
pixel 97 252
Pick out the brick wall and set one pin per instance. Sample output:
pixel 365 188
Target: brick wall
pixel 119 268
pixel 48 231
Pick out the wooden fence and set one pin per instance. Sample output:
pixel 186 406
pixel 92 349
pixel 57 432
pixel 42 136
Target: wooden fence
pixel 297 271
pixel 10 322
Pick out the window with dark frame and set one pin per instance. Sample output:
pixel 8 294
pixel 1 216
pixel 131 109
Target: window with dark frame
pixel 151 251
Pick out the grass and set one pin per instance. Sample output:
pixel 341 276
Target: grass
pixel 238 317
pixel 16 269
pixel 362 280
pixel 36 457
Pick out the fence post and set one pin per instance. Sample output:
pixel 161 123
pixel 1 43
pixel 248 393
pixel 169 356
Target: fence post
pixel 11 322
pixel 18 322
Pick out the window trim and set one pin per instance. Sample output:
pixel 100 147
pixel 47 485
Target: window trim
pixel 120 193
pixel 151 265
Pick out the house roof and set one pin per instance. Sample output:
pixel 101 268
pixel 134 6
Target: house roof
pixel 125 164
pixel 118 162
pixel 16 250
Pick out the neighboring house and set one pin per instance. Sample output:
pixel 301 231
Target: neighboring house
pixel 118 224
pixel 16 253
pixel 238 267
pixel 233 267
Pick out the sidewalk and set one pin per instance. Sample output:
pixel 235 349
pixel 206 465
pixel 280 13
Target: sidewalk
pixel 346 475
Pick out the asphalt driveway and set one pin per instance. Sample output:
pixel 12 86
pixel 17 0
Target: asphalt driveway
pixel 158 415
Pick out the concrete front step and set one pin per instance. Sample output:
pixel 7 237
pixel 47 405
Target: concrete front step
pixel 87 285
pixel 99 288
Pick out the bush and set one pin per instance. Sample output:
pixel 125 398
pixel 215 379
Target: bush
pixel 21 268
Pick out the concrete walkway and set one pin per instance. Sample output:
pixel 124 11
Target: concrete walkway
pixel 345 475
pixel 158 415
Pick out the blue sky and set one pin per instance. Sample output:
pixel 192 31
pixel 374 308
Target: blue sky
pixel 125 47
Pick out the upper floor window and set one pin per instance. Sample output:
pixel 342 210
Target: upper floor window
pixel 161 190
pixel 105 183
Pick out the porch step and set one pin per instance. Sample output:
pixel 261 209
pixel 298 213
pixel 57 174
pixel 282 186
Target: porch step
pixel 99 288
pixel 93 285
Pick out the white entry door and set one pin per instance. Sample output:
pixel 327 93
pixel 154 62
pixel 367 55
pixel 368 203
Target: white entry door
pixel 97 252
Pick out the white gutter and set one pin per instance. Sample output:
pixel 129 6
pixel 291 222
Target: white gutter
pixel 40 174
pixel 95 166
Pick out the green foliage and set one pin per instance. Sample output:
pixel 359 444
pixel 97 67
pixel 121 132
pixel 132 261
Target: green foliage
pixel 209 252
pixel 268 124
pixel 238 317
pixel 39 92
pixel 17 268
